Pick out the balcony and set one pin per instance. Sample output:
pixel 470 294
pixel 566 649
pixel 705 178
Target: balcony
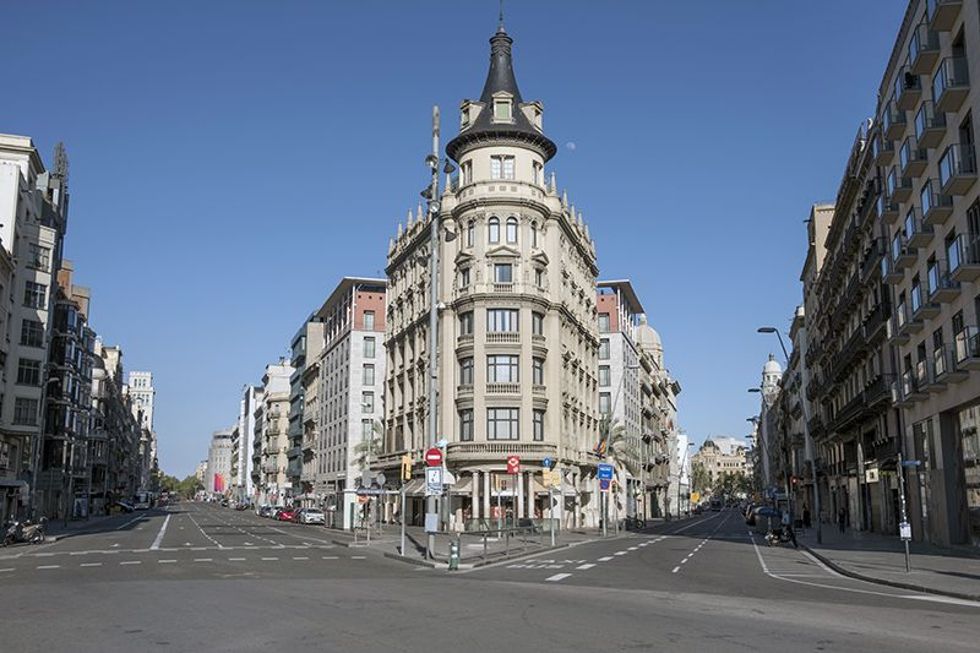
pixel 942 14
pixel 944 368
pixel 872 259
pixel 895 333
pixel 950 84
pixel 912 158
pixel 893 121
pixel 942 287
pixel 930 126
pixel 913 382
pixel 936 206
pixel 539 390
pixel 875 321
pixel 938 369
pixel 963 257
pixel 888 209
pixel 883 151
pixel 906 322
pixel 966 349
pixel 923 50
pixel 497 452
pixel 503 287
pixel 503 338
pixel 908 89
pixel 917 234
pixel 903 255
pixel 464 390
pixel 503 388
pixel 889 273
pixel 897 187
pixel 957 169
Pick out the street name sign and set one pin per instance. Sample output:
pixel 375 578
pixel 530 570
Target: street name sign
pixel 605 472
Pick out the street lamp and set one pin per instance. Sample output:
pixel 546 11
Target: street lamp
pixel 808 447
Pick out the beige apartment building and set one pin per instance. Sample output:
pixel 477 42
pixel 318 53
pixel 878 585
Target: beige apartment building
pixel 518 338
pixel 720 456
pixel 271 417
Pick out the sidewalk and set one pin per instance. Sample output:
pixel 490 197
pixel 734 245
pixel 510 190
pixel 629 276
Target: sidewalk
pixel 57 530
pixel 880 559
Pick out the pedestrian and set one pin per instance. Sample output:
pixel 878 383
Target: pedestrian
pixel 788 527
pixel 842 519
pixel 806 518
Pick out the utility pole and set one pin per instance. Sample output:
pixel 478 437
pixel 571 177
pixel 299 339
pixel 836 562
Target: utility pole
pixel 431 506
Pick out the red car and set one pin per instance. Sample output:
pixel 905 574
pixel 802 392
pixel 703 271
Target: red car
pixel 287 514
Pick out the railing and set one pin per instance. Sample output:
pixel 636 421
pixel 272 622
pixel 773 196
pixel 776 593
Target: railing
pixel 923 41
pixel 892 117
pixel 933 200
pixel 958 160
pixel 966 344
pixel 963 251
pixel 465 389
pixel 872 259
pixel 952 74
pixel 939 279
pixel 910 153
pixel 502 448
pixel 539 389
pixel 906 83
pixel 504 337
pixel 503 388
pixel 503 287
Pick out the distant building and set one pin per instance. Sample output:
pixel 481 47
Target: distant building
pixel 722 455
pixel 272 435
pixel 219 462
pixel 201 471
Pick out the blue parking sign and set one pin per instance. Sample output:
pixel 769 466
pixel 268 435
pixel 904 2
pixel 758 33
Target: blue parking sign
pixel 605 472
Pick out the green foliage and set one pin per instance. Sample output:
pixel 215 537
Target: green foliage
pixel 369 447
pixel 730 485
pixel 700 481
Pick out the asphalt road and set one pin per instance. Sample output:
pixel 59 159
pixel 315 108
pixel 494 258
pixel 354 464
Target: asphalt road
pixel 199 577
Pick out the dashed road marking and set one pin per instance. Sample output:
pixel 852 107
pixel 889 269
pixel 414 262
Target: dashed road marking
pixel 605 558
pixel 584 567
pixel 166 562
pixel 301 558
pixel 556 578
pixel 358 557
pixel 49 567
pixel 675 569
pixel 236 559
pixel 90 564
pixel 271 558
pixel 163 530
pixel 620 553
pixel 131 562
pixel 203 559
pixel 7 569
pixel 330 557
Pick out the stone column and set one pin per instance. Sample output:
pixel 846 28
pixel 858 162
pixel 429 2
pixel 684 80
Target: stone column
pixel 518 498
pixel 530 495
pixel 577 484
pixel 475 489
pixel 486 494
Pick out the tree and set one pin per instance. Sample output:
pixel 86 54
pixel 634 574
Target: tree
pixel 700 480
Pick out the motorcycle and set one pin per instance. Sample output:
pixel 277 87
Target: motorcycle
pixel 28 532
pixel 778 536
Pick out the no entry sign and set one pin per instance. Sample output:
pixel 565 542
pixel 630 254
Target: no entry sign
pixel 433 457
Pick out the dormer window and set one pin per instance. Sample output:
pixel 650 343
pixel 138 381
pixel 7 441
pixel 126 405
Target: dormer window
pixel 464 119
pixel 502 110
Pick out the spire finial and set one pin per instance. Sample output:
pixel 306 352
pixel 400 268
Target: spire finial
pixel 500 24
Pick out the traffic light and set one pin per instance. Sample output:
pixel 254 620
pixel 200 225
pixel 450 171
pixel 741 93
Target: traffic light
pixel 793 480
pixel 406 467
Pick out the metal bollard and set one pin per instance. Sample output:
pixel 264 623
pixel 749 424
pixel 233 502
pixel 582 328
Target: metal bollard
pixel 453 555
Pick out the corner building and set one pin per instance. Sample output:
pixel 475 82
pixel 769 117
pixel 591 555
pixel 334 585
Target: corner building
pixel 518 338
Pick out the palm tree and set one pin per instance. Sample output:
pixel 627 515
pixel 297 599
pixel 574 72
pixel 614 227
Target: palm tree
pixel 615 445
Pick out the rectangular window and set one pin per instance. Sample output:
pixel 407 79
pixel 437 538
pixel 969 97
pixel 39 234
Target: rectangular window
pixel 464 277
pixel 369 345
pixel 503 424
pixel 537 324
pixel 367 402
pixel 32 333
pixel 466 323
pixel 537 371
pixel 508 167
pixel 502 369
pixel 605 405
pixel 369 375
pixel 536 170
pixel 39 257
pixel 539 426
pixel 466 371
pixel 495 167
pixel 502 110
pixel 35 295
pixel 502 320
pixel 466 425
pixel 604 376
pixel 28 372
pixel 503 273
pixel 367 429
pixel 467 174
pixel 25 411
pixel 369 320
pixel 603 322
pixel 502 167
pixel 604 349
pixel 470 233
pixel 539 278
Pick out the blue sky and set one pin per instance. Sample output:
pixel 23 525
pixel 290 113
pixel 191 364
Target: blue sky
pixel 231 160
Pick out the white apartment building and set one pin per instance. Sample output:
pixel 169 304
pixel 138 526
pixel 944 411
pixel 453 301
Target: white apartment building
pixel 349 370
pixel 246 446
pixel 219 463
pixel 518 341
pixel 33 220
pixel 272 432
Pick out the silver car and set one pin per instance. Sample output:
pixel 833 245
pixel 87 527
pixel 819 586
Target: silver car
pixel 312 516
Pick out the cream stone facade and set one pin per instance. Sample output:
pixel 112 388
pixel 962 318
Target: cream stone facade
pixel 272 433
pixel 518 338
pixel 726 456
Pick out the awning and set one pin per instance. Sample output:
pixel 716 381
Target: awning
pixel 12 482
pixel 415 487
pixel 463 485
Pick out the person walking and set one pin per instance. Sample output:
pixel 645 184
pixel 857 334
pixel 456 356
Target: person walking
pixel 806 518
pixel 788 527
pixel 842 519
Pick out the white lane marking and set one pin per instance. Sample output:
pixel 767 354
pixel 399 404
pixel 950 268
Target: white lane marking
pixel 620 553
pixel 49 567
pixel 584 567
pixel 163 529
pixel 203 559
pixel 90 564
pixel 272 558
pixel 605 558
pixel 131 562
pixel 212 540
pixel 358 557
pixel 331 557
pixel 134 519
pixel 556 578
pixel 44 555
pixel 632 548
pixel 236 559
pixel 7 569
pixel 675 569
pixel 301 558
pixel 166 562
pixel 941 599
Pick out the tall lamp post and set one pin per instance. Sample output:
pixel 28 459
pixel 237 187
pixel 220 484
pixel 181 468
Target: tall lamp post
pixel 431 195
pixel 806 430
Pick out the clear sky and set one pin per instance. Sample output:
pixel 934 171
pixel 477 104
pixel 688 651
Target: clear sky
pixel 230 161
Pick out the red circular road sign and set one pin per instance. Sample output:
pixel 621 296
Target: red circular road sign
pixel 513 464
pixel 433 457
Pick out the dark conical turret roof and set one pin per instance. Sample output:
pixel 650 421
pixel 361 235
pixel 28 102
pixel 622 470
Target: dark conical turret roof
pixel 500 78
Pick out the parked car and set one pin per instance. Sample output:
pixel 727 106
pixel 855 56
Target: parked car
pixel 123 506
pixel 286 514
pixel 311 516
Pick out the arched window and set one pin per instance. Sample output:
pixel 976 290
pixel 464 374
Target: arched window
pixel 512 230
pixel 493 230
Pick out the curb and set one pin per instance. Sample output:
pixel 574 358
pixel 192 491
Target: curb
pixel 844 571
pixel 411 561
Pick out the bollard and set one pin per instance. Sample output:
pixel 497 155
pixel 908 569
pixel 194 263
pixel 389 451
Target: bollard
pixel 453 555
